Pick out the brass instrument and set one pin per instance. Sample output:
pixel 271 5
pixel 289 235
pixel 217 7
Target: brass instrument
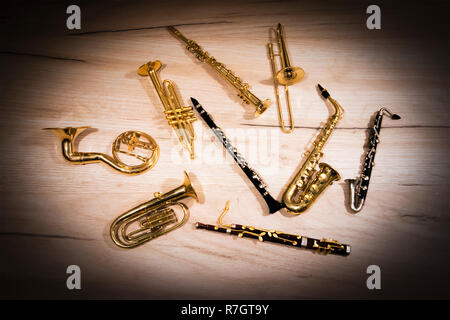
pixel 134 141
pixel 308 184
pixel 153 218
pixel 287 76
pixel 242 88
pixel 322 246
pixel 180 118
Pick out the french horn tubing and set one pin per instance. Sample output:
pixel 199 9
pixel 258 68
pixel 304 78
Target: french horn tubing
pixel 153 218
pixel 286 76
pixel 133 141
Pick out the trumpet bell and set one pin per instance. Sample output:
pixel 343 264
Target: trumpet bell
pixel 155 65
pixel 290 75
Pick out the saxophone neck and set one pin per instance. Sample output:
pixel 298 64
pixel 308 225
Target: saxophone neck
pixel 339 111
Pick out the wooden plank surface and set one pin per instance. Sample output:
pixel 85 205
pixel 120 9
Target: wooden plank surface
pixel 55 214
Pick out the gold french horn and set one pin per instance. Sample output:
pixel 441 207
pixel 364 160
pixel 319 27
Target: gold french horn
pixel 132 140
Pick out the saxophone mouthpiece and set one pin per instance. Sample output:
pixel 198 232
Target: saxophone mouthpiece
pixel 323 91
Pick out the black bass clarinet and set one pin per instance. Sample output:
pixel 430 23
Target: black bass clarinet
pixel 358 187
pixel 322 246
pixel 254 177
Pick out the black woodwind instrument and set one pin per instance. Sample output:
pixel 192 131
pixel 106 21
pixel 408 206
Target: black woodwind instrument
pixel 322 246
pixel 254 177
pixel 358 187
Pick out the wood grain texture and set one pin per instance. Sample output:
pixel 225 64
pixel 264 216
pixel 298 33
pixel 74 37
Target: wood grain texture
pixel 55 214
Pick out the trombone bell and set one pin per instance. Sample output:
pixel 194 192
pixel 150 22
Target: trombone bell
pixel 289 76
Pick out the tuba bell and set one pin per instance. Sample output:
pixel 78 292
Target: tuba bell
pixel 153 218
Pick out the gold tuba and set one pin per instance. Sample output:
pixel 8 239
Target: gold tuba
pixel 308 184
pixel 133 141
pixel 153 218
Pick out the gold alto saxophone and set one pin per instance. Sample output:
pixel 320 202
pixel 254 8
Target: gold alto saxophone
pixel 243 88
pixel 308 184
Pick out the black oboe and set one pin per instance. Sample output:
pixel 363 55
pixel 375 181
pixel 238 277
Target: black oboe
pixel 358 187
pixel 323 246
pixel 254 177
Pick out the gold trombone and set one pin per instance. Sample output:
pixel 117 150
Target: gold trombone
pixel 287 76
pixel 180 118
pixel 153 218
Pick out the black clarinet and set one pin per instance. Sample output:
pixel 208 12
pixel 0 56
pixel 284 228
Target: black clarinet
pixel 358 187
pixel 322 246
pixel 254 177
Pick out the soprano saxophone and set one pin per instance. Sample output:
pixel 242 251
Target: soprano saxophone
pixel 308 184
pixel 242 88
